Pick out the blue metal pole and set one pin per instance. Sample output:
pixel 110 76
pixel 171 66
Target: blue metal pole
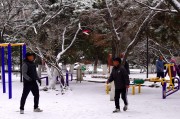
pixel 9 71
pixel 3 70
pixel 24 51
pixel 71 76
pixel 164 90
pixel 67 78
pixel 47 81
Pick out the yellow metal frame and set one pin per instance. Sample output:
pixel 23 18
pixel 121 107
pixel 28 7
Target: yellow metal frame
pixel 12 44
pixel 134 89
pixel 162 80
pixel 170 76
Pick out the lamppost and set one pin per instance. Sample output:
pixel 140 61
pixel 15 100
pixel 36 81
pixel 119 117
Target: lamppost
pixel 147 51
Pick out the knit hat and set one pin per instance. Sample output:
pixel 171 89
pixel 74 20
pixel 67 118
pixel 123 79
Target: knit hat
pixel 30 54
pixel 117 59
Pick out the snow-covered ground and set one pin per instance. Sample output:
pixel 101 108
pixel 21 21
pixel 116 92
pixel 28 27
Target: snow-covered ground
pixel 88 100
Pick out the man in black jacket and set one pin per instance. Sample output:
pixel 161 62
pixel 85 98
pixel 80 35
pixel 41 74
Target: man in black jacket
pixel 121 81
pixel 29 82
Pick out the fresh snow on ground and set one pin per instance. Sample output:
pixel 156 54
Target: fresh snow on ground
pixel 88 100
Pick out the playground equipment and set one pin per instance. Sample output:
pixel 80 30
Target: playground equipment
pixel 171 87
pixel 137 83
pixel 47 80
pixel 170 91
pixel 167 90
pixel 22 55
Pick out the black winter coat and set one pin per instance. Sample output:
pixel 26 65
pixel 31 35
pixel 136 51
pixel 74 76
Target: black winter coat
pixel 29 72
pixel 120 77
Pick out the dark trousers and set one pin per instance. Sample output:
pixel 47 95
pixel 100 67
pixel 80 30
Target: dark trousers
pixel 123 93
pixel 160 74
pixel 33 87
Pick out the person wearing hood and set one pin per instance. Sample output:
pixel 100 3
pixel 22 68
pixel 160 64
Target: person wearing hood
pixel 121 80
pixel 30 78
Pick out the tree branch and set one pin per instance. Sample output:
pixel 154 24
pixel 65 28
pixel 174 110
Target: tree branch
pixel 141 28
pixel 62 52
pixel 156 9
pixel 175 4
pixel 40 6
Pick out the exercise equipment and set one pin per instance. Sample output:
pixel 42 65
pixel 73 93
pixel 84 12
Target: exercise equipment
pixel 137 83
pixel 171 88
pixel 22 55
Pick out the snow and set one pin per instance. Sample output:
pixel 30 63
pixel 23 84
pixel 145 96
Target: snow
pixel 88 100
pixel 176 3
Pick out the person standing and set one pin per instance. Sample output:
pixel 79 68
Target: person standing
pixel 160 67
pixel 30 77
pixel 121 80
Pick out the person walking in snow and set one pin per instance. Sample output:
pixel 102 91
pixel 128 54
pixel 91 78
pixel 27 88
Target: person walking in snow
pixel 30 77
pixel 121 80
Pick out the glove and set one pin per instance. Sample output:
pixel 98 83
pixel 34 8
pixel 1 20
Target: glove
pixel 39 81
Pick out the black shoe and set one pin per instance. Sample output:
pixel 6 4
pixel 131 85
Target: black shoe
pixel 125 108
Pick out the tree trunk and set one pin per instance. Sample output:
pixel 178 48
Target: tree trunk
pixel 116 49
pixel 39 70
pixel 95 64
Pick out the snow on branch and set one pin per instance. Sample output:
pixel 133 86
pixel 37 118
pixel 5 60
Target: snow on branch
pixel 40 6
pixel 35 30
pixel 162 47
pixel 63 38
pixel 156 9
pixel 112 21
pixel 74 38
pixel 141 28
pixel 53 16
pixel 175 4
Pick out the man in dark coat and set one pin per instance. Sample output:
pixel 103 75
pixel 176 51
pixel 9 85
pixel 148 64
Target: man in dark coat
pixel 29 82
pixel 121 80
